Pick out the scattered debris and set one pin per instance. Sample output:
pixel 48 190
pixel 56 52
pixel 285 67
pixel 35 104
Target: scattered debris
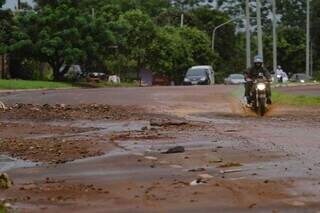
pixel 252 205
pixel 5 181
pixel 174 150
pixel 197 170
pixel 231 171
pixel 203 178
pixel 151 158
pixel 231 130
pixel 161 123
pixel 230 164
pixel 215 160
pixel 206 176
pixel 197 182
pixel 2 106
pixel 176 166
pixel 296 203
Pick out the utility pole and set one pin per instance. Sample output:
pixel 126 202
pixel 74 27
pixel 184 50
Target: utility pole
pixel 248 34
pixel 19 5
pixel 274 23
pixel 182 20
pixel 259 28
pixel 308 40
pixel 311 59
pixel 93 13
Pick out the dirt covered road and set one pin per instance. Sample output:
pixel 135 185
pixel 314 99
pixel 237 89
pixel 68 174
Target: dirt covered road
pixel 160 149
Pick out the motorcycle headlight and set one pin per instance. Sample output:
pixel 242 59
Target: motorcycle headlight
pixel 186 79
pixel 203 79
pixel 302 81
pixel 278 76
pixel 261 86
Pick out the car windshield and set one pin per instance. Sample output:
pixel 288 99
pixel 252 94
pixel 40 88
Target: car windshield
pixel 196 72
pixel 237 76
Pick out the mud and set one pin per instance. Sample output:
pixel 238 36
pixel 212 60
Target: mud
pixel 103 151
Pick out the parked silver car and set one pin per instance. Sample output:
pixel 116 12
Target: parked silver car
pixel 234 79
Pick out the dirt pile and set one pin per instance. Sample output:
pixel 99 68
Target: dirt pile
pixel 51 150
pixel 68 112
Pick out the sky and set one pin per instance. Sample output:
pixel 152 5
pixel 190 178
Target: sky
pixel 13 3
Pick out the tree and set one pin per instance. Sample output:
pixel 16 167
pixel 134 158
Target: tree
pixel 293 12
pixel 170 54
pixel 2 2
pixel 174 50
pixel 139 34
pixel 291 48
pixel 61 36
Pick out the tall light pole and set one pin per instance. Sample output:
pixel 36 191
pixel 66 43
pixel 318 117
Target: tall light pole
pixel 308 40
pixel 274 23
pixel 182 20
pixel 216 28
pixel 259 28
pixel 248 34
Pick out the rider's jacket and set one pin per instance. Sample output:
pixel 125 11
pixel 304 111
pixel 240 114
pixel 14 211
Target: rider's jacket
pixel 253 73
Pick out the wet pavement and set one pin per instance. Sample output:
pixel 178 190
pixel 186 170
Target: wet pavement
pixel 312 90
pixel 111 158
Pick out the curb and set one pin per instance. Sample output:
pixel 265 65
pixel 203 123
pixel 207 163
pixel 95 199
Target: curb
pixel 32 90
pixel 294 85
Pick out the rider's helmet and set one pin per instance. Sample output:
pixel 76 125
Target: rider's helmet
pixel 258 61
pixel 279 67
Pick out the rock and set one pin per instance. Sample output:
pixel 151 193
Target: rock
pixel 205 176
pixel 150 158
pixel 2 106
pixel 177 149
pixel 231 171
pixel 197 182
pixel 5 181
pixel 144 128
pixel 176 166
pixel 197 170
pixel 230 164
pixel 162 123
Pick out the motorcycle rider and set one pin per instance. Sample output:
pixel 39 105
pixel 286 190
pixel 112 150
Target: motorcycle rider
pixel 252 74
pixel 279 74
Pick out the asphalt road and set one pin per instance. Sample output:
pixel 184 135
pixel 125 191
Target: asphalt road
pixel 254 164
pixel 302 90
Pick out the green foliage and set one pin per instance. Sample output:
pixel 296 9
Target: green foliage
pixel 2 2
pixel 124 36
pixel 298 100
pixel 22 84
pixel 59 35
pixel 176 49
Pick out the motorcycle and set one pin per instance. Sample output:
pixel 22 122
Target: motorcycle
pixel 258 95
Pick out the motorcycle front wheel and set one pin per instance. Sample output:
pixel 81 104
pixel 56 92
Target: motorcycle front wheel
pixel 262 108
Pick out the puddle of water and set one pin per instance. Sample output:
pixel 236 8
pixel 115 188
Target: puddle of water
pixel 7 163
pixel 103 127
pixel 211 120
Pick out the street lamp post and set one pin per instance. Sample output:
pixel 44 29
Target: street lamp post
pixel 274 23
pixel 308 40
pixel 259 28
pixel 248 34
pixel 216 28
